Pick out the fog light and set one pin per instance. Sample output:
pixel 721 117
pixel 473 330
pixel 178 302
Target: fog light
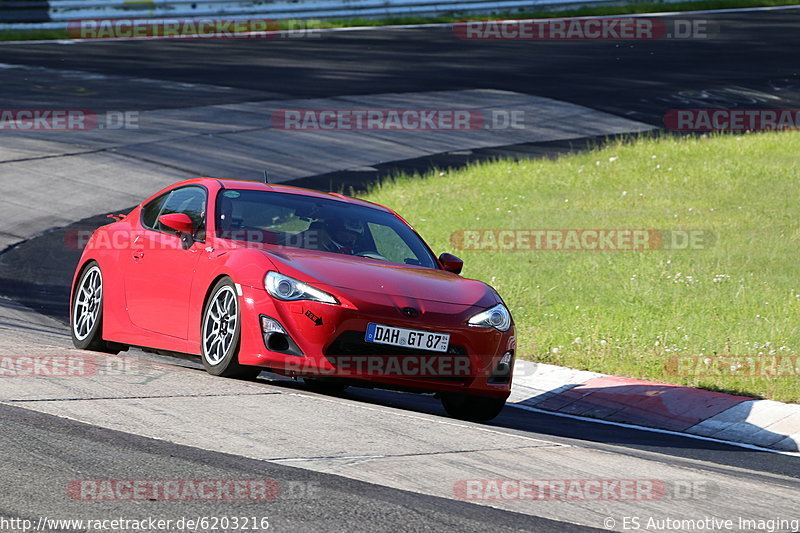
pixel 502 372
pixel 269 325
pixel 274 334
pixel 276 339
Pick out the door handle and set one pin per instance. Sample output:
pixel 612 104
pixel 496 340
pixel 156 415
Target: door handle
pixel 138 255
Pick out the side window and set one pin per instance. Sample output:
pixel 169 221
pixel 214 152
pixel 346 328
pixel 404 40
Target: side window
pixel 188 200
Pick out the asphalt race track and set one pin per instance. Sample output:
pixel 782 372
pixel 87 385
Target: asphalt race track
pixel 751 59
pixel 365 460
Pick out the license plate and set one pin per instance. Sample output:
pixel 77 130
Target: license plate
pixel 407 338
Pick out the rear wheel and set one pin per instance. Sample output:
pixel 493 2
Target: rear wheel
pixel 221 332
pixel 473 408
pixel 86 315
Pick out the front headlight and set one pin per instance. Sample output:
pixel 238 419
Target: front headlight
pixel 496 317
pixel 286 288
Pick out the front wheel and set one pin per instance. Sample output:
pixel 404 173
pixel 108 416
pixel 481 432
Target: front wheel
pixel 86 315
pixel 472 408
pixel 220 334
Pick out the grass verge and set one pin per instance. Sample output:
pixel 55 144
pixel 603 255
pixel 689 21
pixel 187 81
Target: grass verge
pixel 634 313
pixel 636 7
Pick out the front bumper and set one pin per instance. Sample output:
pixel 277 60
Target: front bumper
pixel 327 341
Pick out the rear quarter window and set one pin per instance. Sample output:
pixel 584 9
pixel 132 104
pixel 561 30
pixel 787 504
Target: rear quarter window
pixel 151 210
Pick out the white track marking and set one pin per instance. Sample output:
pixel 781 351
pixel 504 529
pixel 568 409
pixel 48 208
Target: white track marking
pixel 653 430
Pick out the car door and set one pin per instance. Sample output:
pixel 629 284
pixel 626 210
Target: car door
pixel 161 265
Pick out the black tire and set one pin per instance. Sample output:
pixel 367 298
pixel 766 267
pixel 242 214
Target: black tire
pixel 472 408
pixel 325 386
pixel 86 312
pixel 220 350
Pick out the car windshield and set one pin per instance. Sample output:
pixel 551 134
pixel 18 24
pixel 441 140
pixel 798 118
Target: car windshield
pixel 318 224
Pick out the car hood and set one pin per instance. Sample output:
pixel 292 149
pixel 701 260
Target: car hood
pixel 362 275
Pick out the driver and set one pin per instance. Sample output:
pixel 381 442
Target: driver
pixel 344 234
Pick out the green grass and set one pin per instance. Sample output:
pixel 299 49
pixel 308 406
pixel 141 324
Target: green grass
pixel 626 312
pixel 632 8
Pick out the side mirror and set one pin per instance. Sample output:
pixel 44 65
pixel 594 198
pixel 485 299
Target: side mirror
pixel 451 263
pixel 180 222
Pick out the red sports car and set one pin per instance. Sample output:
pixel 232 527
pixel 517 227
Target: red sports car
pixel 335 290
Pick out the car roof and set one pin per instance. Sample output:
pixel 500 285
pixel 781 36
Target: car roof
pixel 230 183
